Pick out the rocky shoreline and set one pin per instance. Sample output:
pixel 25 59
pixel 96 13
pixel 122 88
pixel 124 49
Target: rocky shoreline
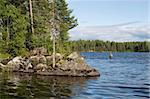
pixel 40 63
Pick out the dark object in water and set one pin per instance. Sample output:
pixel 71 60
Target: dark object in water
pixel 110 55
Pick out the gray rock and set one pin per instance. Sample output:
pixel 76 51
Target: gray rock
pixel 39 51
pixel 78 67
pixel 34 60
pixel 93 73
pixel 15 64
pixel 58 57
pixel 42 59
pixel 37 59
pixel 19 63
pixel 41 67
pixel 29 66
pixel 73 65
pixel 5 61
pixel 2 66
pixel 73 55
pixel 49 60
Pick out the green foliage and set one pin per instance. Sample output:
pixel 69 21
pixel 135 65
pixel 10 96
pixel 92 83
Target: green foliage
pixel 2 56
pixel 65 22
pixel 16 37
pixel 13 29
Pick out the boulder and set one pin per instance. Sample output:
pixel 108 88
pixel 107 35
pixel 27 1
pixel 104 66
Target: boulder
pixel 59 63
pixel 73 65
pixel 42 59
pixel 58 56
pixel 5 61
pixel 29 66
pixel 93 73
pixel 75 56
pixel 49 60
pixel 34 60
pixel 41 67
pixel 40 63
pixel 16 63
pixel 39 51
pixel 43 51
pixel 75 68
pixel 37 59
pixel 17 59
pixel 2 66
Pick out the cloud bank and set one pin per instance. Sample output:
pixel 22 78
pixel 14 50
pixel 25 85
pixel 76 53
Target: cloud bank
pixel 119 33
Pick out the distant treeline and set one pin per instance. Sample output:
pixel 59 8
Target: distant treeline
pixel 98 45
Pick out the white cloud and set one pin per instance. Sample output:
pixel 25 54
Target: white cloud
pixel 120 32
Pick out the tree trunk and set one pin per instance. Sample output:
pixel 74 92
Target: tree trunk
pixel 31 16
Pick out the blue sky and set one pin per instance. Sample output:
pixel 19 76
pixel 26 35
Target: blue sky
pixel 114 20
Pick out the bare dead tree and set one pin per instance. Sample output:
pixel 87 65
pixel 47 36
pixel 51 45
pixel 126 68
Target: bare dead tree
pixel 54 30
pixel 31 16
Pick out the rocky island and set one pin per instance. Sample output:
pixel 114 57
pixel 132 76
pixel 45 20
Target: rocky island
pixel 39 62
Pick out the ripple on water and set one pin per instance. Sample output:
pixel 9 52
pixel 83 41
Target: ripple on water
pixel 126 76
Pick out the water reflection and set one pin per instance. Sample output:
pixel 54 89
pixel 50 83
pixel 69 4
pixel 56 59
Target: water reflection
pixel 24 86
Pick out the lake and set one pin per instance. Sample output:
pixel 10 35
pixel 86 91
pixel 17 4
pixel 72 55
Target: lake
pixel 125 76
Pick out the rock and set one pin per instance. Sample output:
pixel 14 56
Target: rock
pixel 58 57
pixel 42 59
pixel 29 66
pixel 75 68
pixel 93 73
pixel 18 64
pixel 43 51
pixel 17 59
pixel 74 56
pixel 59 63
pixel 39 51
pixel 49 60
pixel 5 61
pixel 34 60
pixel 41 64
pixel 73 65
pixel 37 59
pixel 2 66
pixel 41 67
pixel 11 65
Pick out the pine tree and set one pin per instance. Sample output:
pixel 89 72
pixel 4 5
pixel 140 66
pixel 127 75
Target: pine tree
pixel 13 28
pixel 66 22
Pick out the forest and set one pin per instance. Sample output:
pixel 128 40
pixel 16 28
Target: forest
pixel 100 46
pixel 17 36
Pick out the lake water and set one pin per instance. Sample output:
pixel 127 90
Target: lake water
pixel 126 76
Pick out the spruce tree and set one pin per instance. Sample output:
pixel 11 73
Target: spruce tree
pixel 66 22
pixel 13 28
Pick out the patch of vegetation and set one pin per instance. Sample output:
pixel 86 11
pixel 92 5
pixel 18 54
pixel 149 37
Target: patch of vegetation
pixel 2 56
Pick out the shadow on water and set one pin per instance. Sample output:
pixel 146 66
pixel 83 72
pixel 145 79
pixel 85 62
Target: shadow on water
pixel 25 86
